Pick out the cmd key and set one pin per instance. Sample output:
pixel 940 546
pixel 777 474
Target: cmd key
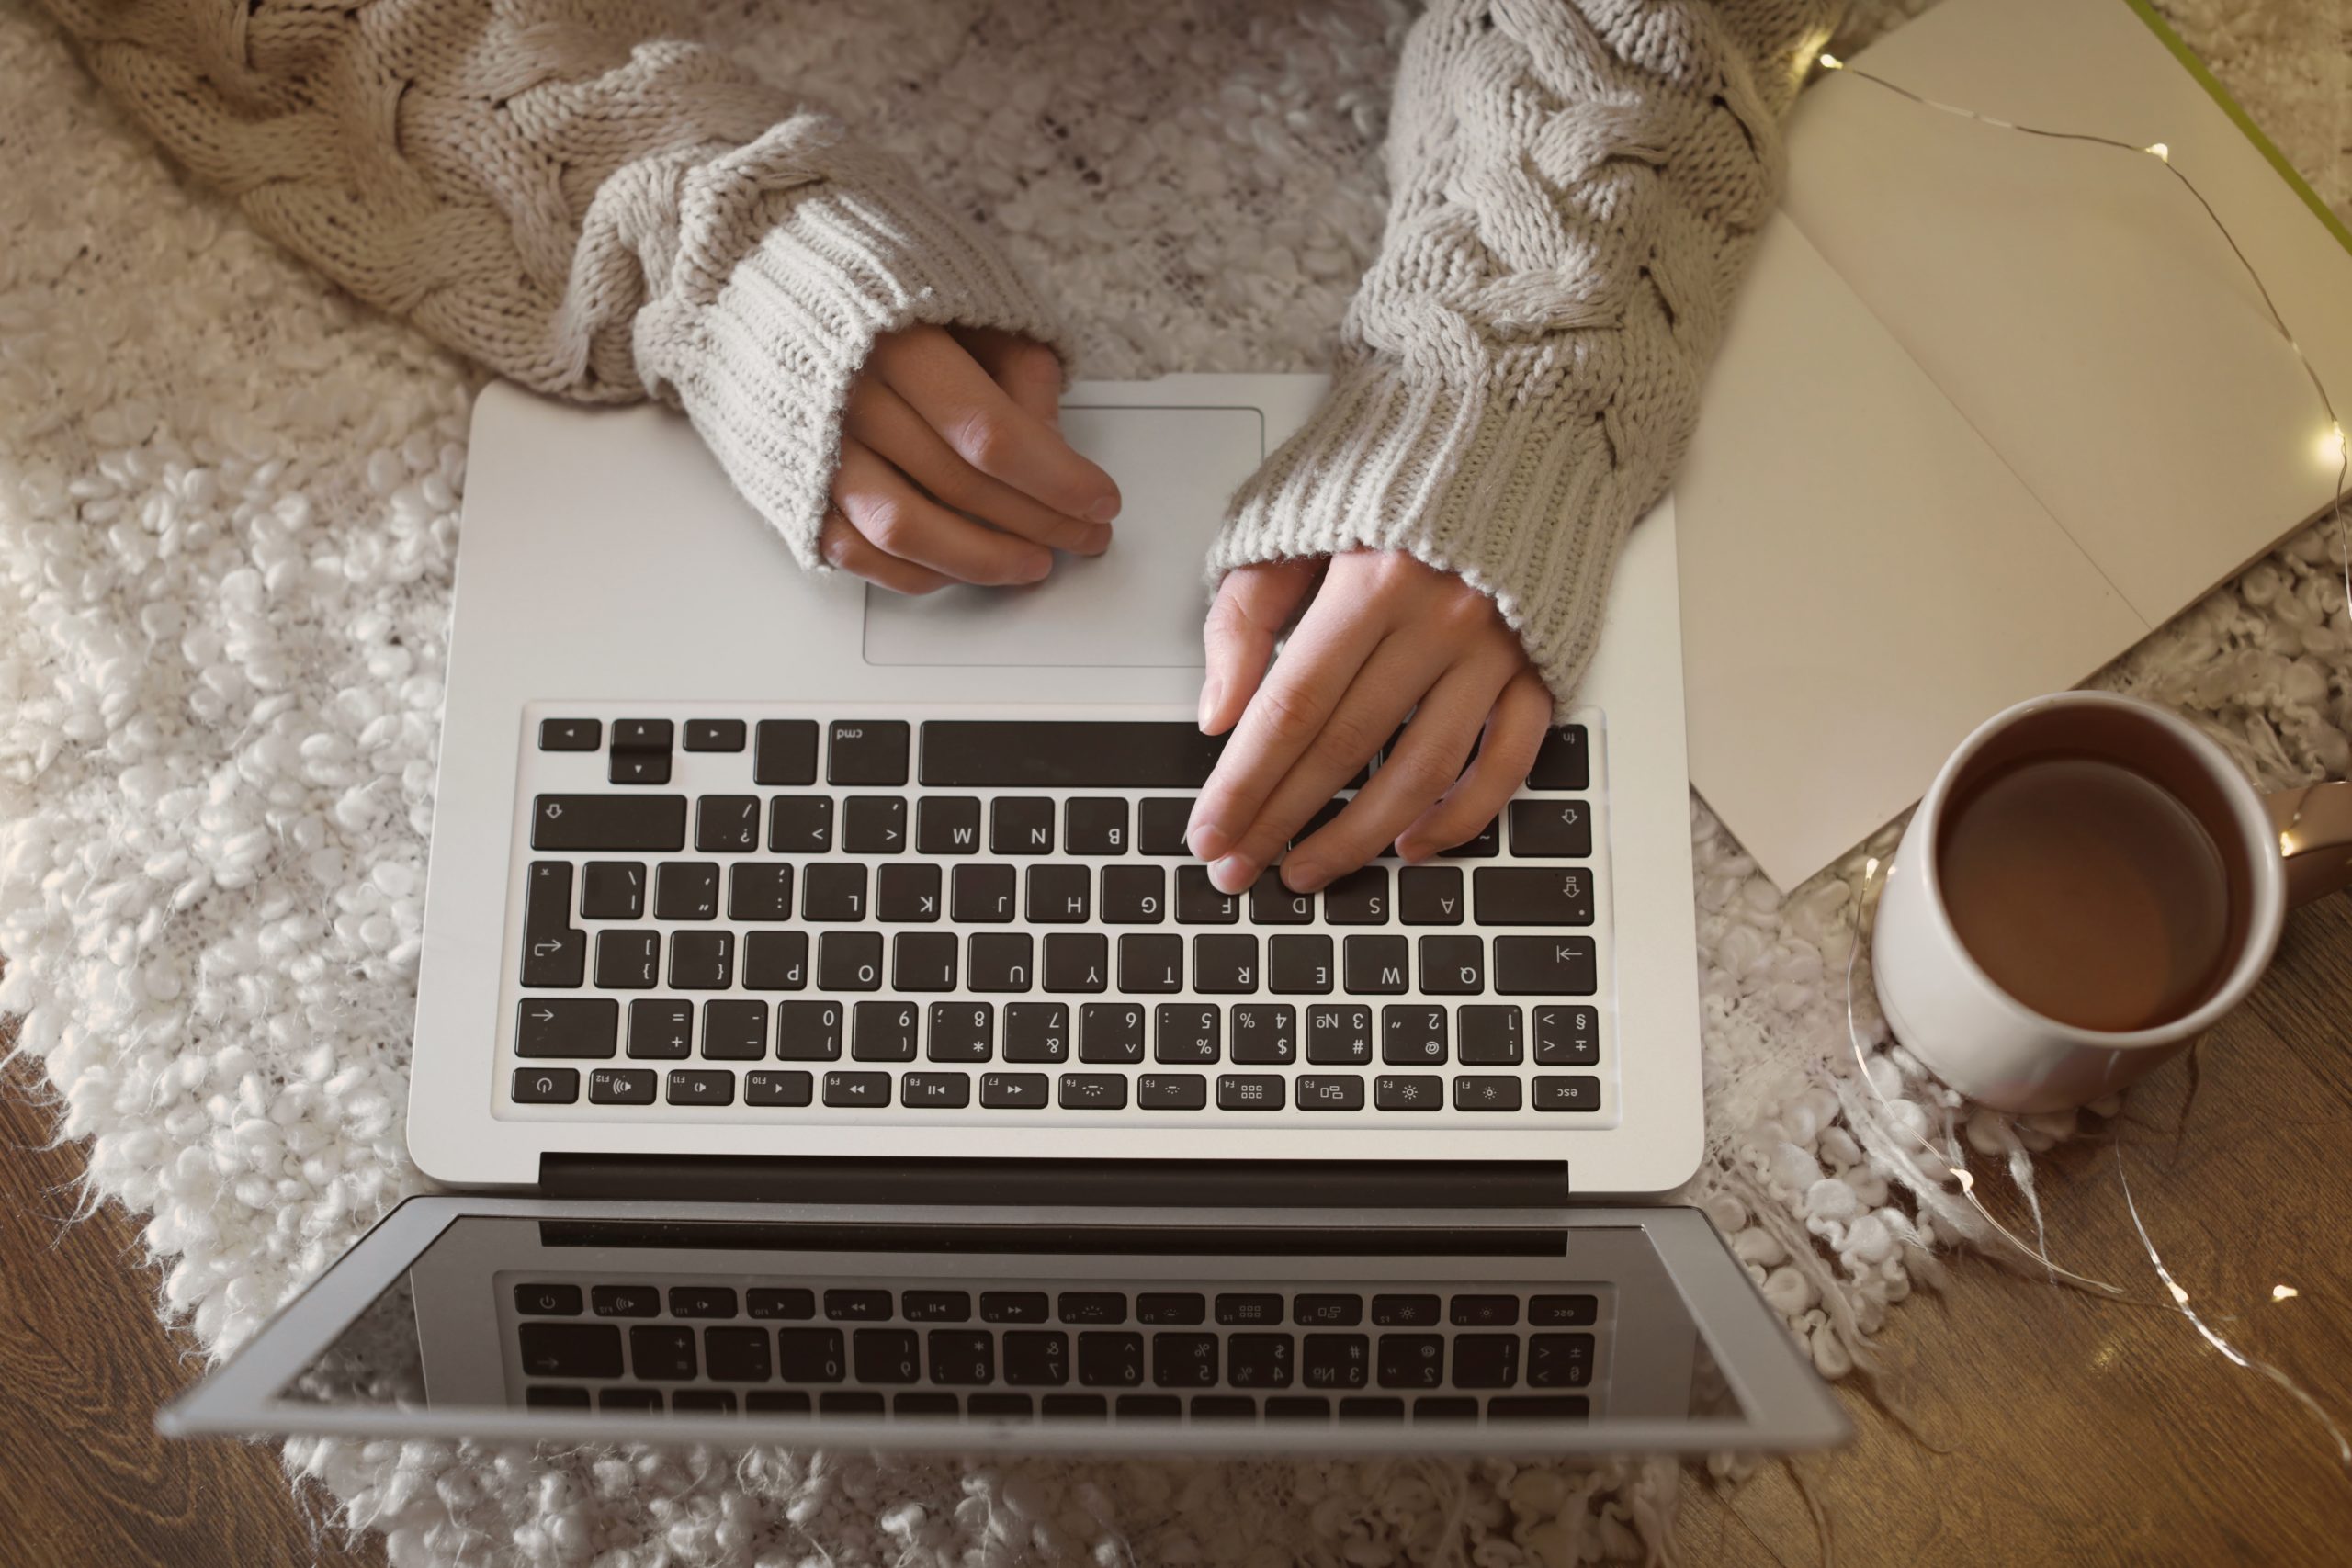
pixel 608 822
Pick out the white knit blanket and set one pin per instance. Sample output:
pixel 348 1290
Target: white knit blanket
pixel 228 520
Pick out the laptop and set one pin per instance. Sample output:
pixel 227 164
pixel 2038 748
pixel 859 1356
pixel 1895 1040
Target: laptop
pixel 824 1037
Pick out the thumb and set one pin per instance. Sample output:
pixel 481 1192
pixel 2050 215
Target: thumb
pixel 1251 607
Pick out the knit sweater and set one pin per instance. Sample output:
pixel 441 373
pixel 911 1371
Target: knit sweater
pixel 578 199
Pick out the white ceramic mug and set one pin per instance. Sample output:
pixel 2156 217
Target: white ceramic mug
pixel 1981 1040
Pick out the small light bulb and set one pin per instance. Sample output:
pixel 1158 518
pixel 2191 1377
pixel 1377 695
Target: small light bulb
pixel 2331 444
pixel 1869 867
pixel 2281 1293
pixel 2160 150
pixel 1831 63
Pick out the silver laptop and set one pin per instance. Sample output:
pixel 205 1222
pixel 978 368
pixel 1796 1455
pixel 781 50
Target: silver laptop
pixel 828 1040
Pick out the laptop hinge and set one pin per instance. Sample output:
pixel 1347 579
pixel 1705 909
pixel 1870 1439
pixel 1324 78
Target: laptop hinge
pixel 1060 1183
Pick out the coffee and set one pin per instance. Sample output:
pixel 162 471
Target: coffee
pixel 2086 891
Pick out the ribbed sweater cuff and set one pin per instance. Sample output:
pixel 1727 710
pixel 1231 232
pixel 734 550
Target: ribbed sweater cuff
pixel 1511 493
pixel 766 371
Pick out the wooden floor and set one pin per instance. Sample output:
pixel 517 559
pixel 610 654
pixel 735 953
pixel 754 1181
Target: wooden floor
pixel 2049 1428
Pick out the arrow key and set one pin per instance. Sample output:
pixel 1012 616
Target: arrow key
pixel 566 1026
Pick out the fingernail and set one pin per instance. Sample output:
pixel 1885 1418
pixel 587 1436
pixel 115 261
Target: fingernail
pixel 1232 875
pixel 1102 510
pixel 1035 568
pixel 1211 690
pixel 1302 875
pixel 1207 840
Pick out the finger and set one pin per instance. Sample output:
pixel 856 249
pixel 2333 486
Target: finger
pixel 1289 712
pixel 847 548
pixel 884 422
pixel 1422 768
pixel 1515 732
pixel 1252 605
pixel 956 398
pixel 1399 674
pixel 1030 373
pixel 900 520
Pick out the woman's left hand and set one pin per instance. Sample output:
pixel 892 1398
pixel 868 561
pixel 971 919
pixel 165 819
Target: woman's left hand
pixel 1385 635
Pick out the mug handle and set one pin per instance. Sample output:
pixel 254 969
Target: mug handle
pixel 2314 824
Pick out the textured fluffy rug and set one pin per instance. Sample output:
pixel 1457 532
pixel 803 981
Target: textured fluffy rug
pixel 228 518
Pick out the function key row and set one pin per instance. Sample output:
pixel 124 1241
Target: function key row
pixel 1091 1308
pixel 931 1404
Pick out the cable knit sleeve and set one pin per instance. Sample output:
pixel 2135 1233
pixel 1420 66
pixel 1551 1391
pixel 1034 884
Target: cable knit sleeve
pixel 574 198
pixel 1575 185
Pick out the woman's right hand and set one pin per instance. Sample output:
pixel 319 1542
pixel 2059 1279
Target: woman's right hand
pixel 952 466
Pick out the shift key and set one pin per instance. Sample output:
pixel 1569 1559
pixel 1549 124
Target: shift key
pixel 1533 896
pixel 608 822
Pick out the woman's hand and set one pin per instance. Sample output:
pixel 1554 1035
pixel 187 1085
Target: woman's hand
pixel 1385 635
pixel 953 469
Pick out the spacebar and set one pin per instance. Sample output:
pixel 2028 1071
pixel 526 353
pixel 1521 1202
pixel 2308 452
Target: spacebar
pixel 1067 753
pixel 608 822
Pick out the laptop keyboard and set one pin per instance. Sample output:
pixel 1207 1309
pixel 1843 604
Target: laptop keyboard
pixel 785 913
pixel 878 1348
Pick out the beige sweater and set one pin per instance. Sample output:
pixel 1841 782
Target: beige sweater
pixel 603 210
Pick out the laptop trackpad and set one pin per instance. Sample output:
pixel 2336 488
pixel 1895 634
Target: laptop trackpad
pixel 1137 604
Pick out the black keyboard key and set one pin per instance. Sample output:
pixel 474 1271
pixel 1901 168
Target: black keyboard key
pixel 1484 1311
pixel 571 734
pixel 1093 826
pixel 948 825
pixel 874 825
pixel 1485 1091
pixel 1252 1091
pixel 856 1305
pixel 703 1401
pixel 1258 1360
pixel 786 752
pixel 1429 896
pixel 608 822
pixel 1236 1408
pixel 1184 1360
pixel 1015 1306
pixel 1546 965
pixel 662 1354
pixel 566 1026
pixel 808 1032
pixel 1485 1361
pixel 629 960
pixel 775 961
pixel 1406 1091
pixel 661 1029
pixel 1171 1092
pixel 867 752
pixel 1225 965
pixel 1036 1031
pixel 611 890
pixel 961 1358
pixel 1359 898
pixel 810 1355
pixel 554 951
pixel 547 1301
pixel 643 734
pixel 1265 1035
pixel 1021 825
pixel 685 890
pixel 1566 1036
pixel 1563 1312
pixel 702 1085
pixel 1489 1035
pixel 1271 904
pixel 702 961
pixel 858 1091
pixel 1533 896
pixel 1324 814
pixel 885 1032
pixel 1412 1360
pixel 936 1306
pixel 1075 1407
pixel 1561 829
pixel 800 824
pixel 1539 1407
pixel 714 734
pixel 984 895
pixel 1151 963
pixel 1198 903
pixel 849 961
pixel 792 1304
pixel 1340 1036
pixel 1182 1308
pixel 1298 1407
pixel 620 1086
pixel 886 1355
pixel 759 891
pixel 1330 1092
pixel 1377 965
pixel 1412 1035
pixel 1299 966
pixel 935 1091
pixel 1485 844
pixel 1013 1091
pixel 923 961
pixel 1564 762
pixel 1035 1359
pixel 1001 961
pixel 735 1031
pixel 702 1300
pixel 625 1300
pixel 962 1032
pixel 1160 822
pixel 1149 1407
pixel 1077 960
pixel 775 1401
pixel 1373 1408
pixel 1559 1361
pixel 1453 966
pixel 727 824
pixel 1000 1406
pixel 852 1402
pixel 926 1407
pixel 1188 1033
pixel 1058 894
pixel 1405 1312
pixel 1067 754
pixel 1093 1091
pixel 1110 1032
pixel 1248 1308
pixel 1326 1311
pixel 571 1349
pixel 778 1089
pixel 1133 895
pixel 1335 1361
pixel 1555 1092
pixel 1110 1360
pixel 645 768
